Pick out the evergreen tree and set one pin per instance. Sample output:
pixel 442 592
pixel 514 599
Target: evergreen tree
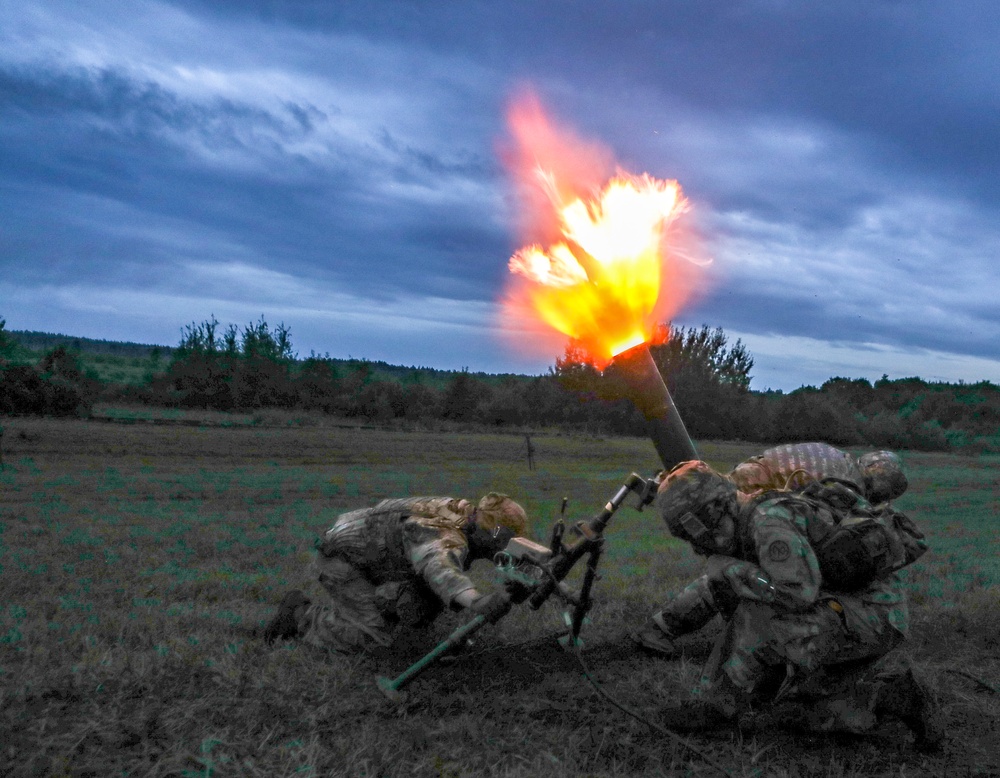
pixel 461 397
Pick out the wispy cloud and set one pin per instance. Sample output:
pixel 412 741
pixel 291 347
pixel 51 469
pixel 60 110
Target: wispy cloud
pixel 334 165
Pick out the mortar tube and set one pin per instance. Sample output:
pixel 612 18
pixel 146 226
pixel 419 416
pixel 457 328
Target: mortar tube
pixel 650 395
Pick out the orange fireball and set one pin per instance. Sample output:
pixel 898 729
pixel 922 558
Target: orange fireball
pixel 599 274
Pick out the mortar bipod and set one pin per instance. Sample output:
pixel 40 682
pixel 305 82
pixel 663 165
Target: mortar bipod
pixel 590 537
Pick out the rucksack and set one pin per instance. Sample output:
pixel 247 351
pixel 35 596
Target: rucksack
pixel 854 542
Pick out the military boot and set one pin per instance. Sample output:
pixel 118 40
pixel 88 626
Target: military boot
pixel 652 637
pixel 905 697
pixel 284 625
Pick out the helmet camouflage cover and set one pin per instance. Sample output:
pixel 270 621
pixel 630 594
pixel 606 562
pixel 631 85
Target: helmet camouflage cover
pixel 499 510
pixel 883 475
pixel 693 499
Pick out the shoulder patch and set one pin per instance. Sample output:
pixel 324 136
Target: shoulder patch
pixel 778 551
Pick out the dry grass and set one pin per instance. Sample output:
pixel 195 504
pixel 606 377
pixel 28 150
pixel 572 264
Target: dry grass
pixel 138 562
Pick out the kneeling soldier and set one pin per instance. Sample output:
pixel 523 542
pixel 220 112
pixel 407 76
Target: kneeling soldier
pixel 396 566
pixel 806 611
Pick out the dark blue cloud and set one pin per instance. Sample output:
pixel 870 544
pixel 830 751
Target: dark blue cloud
pixel 774 312
pixel 350 147
pixel 131 142
pixel 915 79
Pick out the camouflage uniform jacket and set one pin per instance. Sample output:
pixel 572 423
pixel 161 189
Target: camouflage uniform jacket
pixel 793 465
pixel 405 539
pixel 774 538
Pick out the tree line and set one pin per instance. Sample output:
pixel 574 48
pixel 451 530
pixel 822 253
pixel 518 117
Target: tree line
pixel 255 367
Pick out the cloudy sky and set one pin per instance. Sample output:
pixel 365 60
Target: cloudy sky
pixel 334 166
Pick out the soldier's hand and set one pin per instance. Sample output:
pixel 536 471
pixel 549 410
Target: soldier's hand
pixel 752 585
pixel 516 590
pixel 493 606
pixel 741 579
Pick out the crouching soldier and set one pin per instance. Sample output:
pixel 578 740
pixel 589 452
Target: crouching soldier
pixel 877 476
pixel 806 586
pixel 396 566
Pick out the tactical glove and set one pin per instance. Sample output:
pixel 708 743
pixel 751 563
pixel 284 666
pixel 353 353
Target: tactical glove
pixel 735 579
pixel 493 606
pixel 517 591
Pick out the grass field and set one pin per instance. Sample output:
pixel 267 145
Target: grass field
pixel 138 561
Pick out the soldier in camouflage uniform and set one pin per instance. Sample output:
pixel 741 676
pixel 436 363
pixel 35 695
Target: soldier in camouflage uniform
pixel 787 633
pixel 396 566
pixel 878 475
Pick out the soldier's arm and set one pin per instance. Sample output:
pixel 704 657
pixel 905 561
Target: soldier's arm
pixel 438 556
pixel 785 556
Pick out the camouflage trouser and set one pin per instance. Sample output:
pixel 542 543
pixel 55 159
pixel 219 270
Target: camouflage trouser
pixel 360 613
pixel 764 652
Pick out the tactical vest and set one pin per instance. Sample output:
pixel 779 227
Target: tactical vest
pixel 372 538
pixel 854 543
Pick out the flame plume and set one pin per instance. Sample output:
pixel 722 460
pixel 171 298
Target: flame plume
pixel 596 270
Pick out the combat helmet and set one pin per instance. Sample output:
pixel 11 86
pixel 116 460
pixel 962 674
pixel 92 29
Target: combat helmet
pixel 497 510
pixel 693 499
pixel 883 475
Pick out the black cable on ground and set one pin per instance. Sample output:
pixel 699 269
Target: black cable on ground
pixel 978 681
pixel 643 720
pixel 600 690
